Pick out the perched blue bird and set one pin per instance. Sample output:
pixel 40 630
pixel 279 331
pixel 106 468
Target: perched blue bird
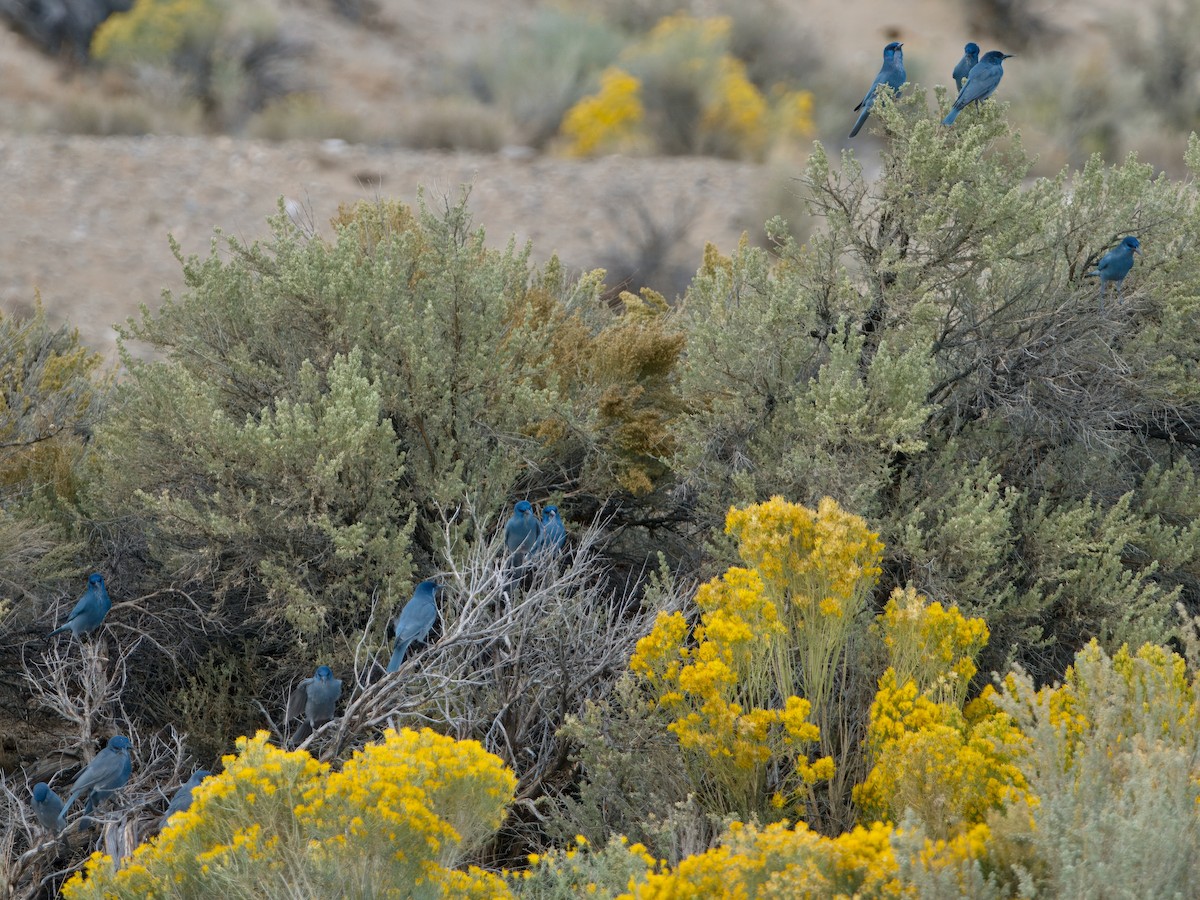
pixel 89 611
pixel 521 534
pixel 414 621
pixel 892 75
pixel 554 533
pixel 1115 265
pixel 108 772
pixel 183 797
pixel 981 83
pixel 48 808
pixel 315 699
pixel 970 58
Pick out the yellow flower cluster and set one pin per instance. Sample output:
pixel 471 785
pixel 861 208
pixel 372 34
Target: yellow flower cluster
pixel 717 696
pixel 827 559
pixel 606 121
pixel 818 568
pixel 934 646
pixel 764 631
pixel 155 30
pixel 782 862
pixel 415 789
pixel 685 53
pixel 396 817
pixel 735 108
pixel 949 767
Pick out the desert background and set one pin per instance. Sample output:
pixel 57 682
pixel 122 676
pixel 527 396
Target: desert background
pixel 98 164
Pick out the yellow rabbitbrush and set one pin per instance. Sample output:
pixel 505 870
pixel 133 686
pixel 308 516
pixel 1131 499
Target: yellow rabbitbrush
pixel 767 646
pixel 396 821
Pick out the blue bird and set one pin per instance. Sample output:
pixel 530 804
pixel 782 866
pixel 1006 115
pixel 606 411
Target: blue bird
pixel 414 621
pixel 1115 265
pixel 963 69
pixel 89 611
pixel 521 534
pixel 183 797
pixel 892 75
pixel 315 699
pixel 981 83
pixel 48 808
pixel 554 533
pixel 108 772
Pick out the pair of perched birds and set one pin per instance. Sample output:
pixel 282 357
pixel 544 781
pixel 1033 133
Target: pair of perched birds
pixel 527 537
pixel 107 773
pixel 110 769
pixel 976 79
pixel 314 700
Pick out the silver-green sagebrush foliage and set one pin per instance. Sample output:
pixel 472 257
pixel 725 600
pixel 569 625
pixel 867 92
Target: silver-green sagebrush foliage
pixel 52 393
pixel 322 405
pixel 933 358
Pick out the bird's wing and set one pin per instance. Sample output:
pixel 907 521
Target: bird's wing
pixel 980 84
pixel 406 630
pixel 869 97
pixel 298 699
pixel 99 771
pixel 82 605
pixel 428 615
pixel 1109 262
pixel 511 539
pixel 416 620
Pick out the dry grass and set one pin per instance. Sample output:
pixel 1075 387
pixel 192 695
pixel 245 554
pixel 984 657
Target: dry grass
pixel 452 124
pixel 305 117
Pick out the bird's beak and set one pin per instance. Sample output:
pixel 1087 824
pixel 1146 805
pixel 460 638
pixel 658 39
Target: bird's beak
pixel 1009 55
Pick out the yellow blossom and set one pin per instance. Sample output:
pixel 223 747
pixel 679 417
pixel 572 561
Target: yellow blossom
pixel 403 810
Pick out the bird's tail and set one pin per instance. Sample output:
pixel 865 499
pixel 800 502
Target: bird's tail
pixel 397 657
pixel 301 734
pixel 70 801
pixel 862 117
pixel 59 630
pixel 951 116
